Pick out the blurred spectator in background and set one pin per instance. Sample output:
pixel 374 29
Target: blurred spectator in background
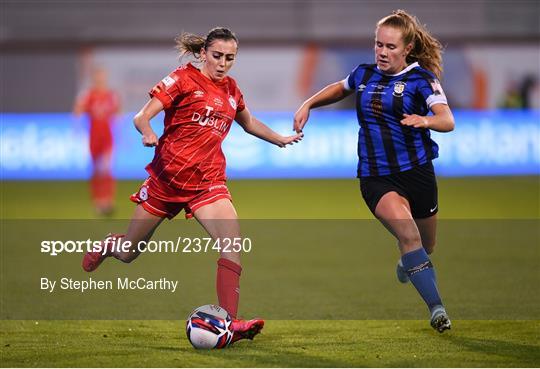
pixel 523 95
pixel 527 90
pixel 511 98
pixel 101 104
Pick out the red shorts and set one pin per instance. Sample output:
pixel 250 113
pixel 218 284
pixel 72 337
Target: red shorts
pixel 159 199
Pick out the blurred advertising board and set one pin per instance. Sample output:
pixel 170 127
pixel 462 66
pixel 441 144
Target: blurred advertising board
pixel 484 143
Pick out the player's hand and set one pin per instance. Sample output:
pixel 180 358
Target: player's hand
pixel 150 139
pixel 289 140
pixel 300 118
pixel 416 121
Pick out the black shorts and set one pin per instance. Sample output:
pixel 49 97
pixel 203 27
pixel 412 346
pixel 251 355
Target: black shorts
pixel 417 185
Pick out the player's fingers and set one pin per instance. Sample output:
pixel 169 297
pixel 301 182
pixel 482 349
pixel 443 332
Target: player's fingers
pixel 301 125
pixel 297 126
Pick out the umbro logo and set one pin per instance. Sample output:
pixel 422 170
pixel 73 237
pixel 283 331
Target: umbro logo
pixel 362 87
pixel 198 93
pixel 419 268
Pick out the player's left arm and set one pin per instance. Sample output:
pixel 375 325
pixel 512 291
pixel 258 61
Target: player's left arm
pixel 117 103
pixel 442 119
pixel 255 127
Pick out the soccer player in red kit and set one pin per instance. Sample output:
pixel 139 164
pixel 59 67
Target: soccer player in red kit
pixel 188 169
pixel 101 104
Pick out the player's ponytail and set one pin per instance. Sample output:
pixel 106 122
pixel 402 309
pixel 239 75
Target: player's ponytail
pixel 427 50
pixel 188 43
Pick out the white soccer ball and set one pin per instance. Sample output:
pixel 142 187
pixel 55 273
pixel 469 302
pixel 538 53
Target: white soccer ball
pixel 209 327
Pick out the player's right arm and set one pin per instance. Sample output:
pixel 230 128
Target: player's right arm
pixel 142 121
pixel 328 95
pixel 80 105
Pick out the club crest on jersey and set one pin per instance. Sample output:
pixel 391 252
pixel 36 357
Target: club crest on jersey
pixel 232 101
pixel 143 193
pixel 399 87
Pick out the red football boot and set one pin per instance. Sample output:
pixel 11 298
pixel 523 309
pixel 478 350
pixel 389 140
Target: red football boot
pixel 246 329
pixel 92 259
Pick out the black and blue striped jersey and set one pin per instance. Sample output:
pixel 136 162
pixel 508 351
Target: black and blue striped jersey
pixel 385 146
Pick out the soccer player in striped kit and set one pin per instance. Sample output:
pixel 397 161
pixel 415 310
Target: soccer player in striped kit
pixel 397 180
pixel 188 169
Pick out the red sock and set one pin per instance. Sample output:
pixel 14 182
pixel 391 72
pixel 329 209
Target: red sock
pixel 94 187
pixel 228 285
pixel 102 189
pixel 107 187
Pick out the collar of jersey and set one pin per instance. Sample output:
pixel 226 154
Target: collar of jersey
pixel 220 83
pixel 409 67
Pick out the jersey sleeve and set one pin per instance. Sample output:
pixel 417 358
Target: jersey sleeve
pixel 348 82
pixel 167 90
pixel 432 92
pixel 238 96
pixel 241 105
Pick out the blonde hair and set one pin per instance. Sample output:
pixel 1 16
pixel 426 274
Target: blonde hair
pixel 426 50
pixel 188 43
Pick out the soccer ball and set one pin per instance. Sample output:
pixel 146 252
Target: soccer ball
pixel 209 327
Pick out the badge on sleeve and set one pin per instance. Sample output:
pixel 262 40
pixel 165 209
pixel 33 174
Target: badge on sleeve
pixel 437 88
pixel 168 81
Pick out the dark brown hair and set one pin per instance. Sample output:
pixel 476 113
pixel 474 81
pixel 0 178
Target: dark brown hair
pixel 427 50
pixel 188 43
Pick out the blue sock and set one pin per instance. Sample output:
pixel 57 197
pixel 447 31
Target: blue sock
pixel 420 270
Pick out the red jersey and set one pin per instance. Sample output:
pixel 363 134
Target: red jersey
pixel 101 105
pixel 198 115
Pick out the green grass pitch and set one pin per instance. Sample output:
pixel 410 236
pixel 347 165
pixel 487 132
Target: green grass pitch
pixel 497 326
